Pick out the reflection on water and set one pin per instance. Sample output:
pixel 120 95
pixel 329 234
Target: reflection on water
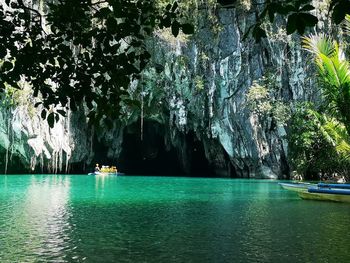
pixel 36 219
pixel 155 219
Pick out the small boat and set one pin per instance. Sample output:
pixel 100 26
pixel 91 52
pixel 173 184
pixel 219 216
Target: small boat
pixel 328 194
pixel 296 187
pixel 337 186
pixel 104 173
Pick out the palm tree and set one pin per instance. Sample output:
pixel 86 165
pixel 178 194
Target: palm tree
pixel 334 71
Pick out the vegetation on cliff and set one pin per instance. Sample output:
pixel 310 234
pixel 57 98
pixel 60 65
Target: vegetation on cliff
pixel 320 136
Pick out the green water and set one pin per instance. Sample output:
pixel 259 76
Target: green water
pixel 165 219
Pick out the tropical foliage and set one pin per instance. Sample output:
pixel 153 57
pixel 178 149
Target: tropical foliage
pixel 260 102
pixel 319 137
pixel 334 72
pixel 299 14
pixel 80 52
pixel 319 145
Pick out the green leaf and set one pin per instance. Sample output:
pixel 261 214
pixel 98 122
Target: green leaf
pixel 112 25
pixel 175 6
pixel 187 29
pixel 62 112
pixel 57 117
pixel 308 19
pixel 51 120
pixel 168 7
pixel 175 27
pixel 166 22
pixel 7 66
pixel 43 114
pixel 284 10
pixel 272 9
pixel 292 23
pixel 307 8
pixel 103 12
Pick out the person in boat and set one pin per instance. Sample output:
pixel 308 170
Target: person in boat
pixel 114 169
pixel 341 180
pixel 105 169
pixel 97 168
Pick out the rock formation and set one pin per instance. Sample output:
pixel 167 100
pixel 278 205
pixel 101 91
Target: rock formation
pixel 193 97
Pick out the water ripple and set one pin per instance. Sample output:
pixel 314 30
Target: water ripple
pixel 138 219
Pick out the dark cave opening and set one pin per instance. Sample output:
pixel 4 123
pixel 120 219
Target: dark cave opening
pixel 199 165
pixel 150 155
pixel 13 165
pixel 147 156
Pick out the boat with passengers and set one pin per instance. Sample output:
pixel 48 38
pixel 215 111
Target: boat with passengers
pixel 105 170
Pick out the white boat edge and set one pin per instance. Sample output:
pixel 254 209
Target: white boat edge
pixel 296 187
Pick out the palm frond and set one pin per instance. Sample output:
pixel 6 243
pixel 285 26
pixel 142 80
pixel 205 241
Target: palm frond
pixel 319 44
pixel 335 133
pixel 347 25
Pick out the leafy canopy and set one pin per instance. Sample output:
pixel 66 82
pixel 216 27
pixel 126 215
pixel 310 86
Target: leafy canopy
pixel 319 137
pixel 298 13
pixel 80 52
pixel 318 143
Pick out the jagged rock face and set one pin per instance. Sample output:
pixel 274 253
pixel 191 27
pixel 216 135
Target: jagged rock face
pixel 206 79
pixel 199 100
pixel 27 144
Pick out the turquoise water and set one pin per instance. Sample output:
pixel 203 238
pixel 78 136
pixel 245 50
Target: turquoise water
pixel 76 218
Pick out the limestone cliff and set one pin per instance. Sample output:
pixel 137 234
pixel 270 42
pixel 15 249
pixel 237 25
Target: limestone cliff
pixel 192 97
pixel 27 144
pixel 206 78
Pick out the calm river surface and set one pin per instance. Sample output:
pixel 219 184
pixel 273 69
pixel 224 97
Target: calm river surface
pixel 77 218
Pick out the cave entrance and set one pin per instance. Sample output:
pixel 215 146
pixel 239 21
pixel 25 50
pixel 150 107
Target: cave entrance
pixel 198 164
pixel 148 156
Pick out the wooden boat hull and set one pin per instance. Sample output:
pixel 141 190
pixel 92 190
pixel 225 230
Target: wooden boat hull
pixel 325 197
pixel 321 191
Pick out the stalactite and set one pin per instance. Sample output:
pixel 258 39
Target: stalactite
pixel 32 163
pixel 142 108
pixel 42 162
pixel 60 165
pixel 7 149
pixel 12 141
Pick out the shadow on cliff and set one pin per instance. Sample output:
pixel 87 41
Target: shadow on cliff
pixel 151 155
pixel 10 164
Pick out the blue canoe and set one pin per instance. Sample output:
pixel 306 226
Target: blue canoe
pixel 337 186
